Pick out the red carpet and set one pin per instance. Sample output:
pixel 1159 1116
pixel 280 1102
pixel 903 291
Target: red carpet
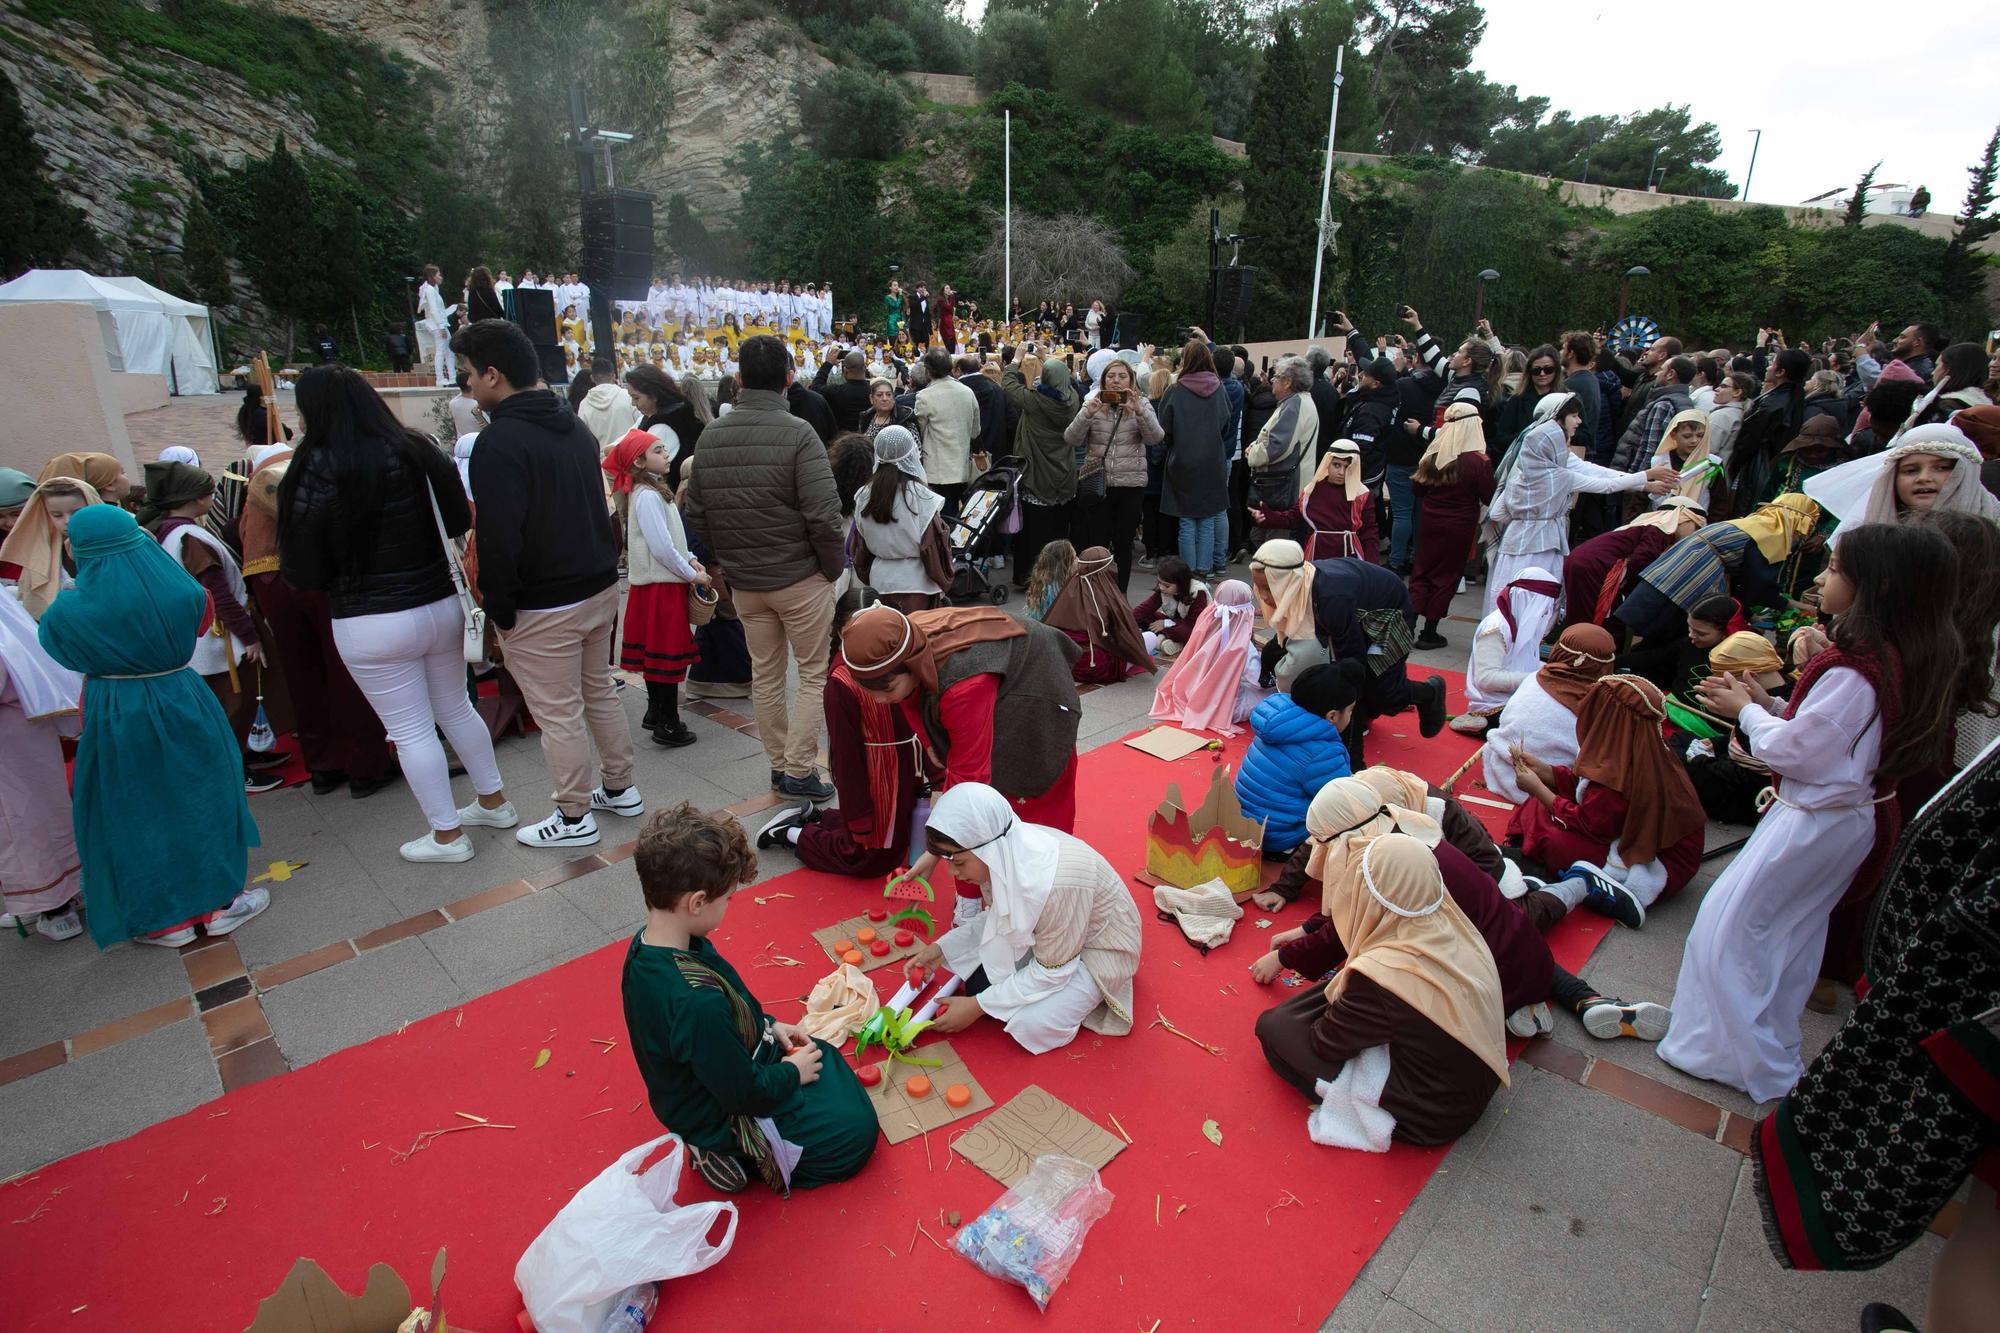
pixel 187 1224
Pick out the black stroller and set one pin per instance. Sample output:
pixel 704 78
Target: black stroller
pixel 980 533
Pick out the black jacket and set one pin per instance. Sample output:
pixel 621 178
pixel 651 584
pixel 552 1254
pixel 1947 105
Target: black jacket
pixel 848 399
pixel 815 410
pixel 403 565
pixel 1326 402
pixel 993 435
pixel 1371 423
pixel 545 534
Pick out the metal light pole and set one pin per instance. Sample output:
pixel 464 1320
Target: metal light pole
pixel 1754 146
pixel 1653 166
pixel 1486 275
pixel 1007 224
pixel 1327 227
pixel 1625 285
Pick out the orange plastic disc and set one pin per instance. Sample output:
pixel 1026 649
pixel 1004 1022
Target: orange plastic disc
pixel 918 1086
pixel 957 1095
pixel 864 936
pixel 852 956
pixel 843 946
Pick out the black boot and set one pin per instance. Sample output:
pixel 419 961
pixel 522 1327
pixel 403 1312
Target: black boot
pixel 652 718
pixel 667 728
pixel 1430 638
pixel 1430 707
pixel 1352 738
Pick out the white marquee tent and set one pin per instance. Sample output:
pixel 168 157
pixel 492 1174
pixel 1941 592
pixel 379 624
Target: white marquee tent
pixel 146 330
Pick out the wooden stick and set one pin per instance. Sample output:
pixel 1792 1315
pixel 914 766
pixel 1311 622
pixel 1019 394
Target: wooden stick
pixel 1161 1021
pixel 1463 769
pixel 1120 1128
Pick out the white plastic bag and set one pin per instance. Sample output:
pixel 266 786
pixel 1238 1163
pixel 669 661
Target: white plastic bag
pixel 621 1229
pixel 1033 1234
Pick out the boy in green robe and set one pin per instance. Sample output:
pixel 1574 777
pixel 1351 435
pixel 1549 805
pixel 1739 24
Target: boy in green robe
pixel 745 1092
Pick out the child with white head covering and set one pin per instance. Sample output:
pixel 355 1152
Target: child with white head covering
pixel 891 516
pixel 1056 943
pixel 1931 468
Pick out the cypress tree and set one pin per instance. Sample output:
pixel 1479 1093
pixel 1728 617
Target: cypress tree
pixel 1281 189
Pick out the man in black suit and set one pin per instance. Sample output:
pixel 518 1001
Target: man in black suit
pixel 992 439
pixel 920 317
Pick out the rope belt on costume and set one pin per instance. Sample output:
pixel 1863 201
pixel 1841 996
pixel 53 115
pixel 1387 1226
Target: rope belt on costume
pixel 1769 797
pixel 144 675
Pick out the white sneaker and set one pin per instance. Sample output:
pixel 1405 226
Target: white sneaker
pixel 628 803
pixel 555 831
pixel 428 848
pixel 63 925
pixel 1532 1020
pixel 247 904
pixel 172 939
pixel 478 816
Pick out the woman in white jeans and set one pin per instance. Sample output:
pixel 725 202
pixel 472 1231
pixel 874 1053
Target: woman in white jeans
pixel 359 514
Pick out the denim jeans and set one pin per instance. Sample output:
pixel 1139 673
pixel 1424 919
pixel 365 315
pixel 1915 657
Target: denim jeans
pixel 1202 541
pixel 1403 506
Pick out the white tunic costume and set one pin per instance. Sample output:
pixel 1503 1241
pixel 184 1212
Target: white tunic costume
pixel 1755 949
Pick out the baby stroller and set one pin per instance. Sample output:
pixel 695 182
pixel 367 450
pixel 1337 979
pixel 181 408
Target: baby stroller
pixel 979 534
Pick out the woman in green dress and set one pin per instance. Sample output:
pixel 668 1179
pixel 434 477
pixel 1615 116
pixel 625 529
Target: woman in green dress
pixel 892 309
pixel 744 1091
pixel 161 824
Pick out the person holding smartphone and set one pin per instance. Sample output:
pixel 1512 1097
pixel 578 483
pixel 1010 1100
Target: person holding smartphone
pixel 1113 431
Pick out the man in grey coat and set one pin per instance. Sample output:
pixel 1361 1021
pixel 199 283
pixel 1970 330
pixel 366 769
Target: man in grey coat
pixel 762 496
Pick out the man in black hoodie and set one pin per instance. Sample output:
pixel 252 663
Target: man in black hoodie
pixel 548 577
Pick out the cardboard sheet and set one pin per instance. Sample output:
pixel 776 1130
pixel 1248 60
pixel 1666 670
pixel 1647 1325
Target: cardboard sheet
pixel 1005 1144
pixel 905 1117
pixel 310 1301
pixel 846 930
pixel 1168 743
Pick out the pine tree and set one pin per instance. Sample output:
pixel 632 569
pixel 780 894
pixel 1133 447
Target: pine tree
pixel 282 244
pixel 1281 188
pixel 1858 205
pixel 204 256
pixel 1962 264
pixel 37 229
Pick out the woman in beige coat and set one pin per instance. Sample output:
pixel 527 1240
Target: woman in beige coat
pixel 1112 432
pixel 1057 942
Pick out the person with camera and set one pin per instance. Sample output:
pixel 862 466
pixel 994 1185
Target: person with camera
pixel 1113 431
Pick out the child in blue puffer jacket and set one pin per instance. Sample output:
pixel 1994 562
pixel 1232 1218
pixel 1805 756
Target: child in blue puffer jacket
pixel 1297 750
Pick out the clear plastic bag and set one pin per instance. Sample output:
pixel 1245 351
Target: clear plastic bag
pixel 1032 1235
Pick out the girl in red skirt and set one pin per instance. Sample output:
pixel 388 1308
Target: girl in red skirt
pixel 1453 479
pixel 658 641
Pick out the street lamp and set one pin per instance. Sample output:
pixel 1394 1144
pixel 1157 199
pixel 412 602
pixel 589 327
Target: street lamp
pixel 1625 285
pixel 1652 167
pixel 1486 275
pixel 1755 144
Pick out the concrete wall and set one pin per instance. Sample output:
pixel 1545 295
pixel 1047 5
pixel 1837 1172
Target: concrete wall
pixel 61 394
pixel 139 392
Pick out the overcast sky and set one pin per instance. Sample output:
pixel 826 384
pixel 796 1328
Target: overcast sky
pixel 1834 86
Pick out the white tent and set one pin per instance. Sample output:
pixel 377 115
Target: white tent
pixel 146 331
pixel 194 359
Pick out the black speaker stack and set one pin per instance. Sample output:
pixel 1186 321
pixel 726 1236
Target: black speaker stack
pixel 535 313
pixel 1234 287
pixel 618 243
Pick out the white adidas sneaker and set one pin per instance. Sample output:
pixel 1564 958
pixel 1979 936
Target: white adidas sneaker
pixel 555 831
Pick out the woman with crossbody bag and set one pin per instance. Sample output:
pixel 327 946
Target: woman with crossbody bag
pixel 370 513
pixel 1115 426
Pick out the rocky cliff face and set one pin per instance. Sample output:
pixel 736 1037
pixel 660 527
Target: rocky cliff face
pixel 117 144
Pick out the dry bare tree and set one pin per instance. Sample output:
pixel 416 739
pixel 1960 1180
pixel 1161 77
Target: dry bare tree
pixel 1074 257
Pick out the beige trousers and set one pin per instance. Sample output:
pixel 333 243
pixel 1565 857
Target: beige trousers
pixel 799 619
pixel 562 662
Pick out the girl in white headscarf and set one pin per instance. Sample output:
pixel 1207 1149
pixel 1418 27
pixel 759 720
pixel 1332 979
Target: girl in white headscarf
pixel 1531 511
pixel 891 516
pixel 1056 943
pixel 1507 646
pixel 1930 468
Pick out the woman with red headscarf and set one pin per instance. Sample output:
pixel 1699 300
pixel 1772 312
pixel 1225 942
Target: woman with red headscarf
pixel 658 640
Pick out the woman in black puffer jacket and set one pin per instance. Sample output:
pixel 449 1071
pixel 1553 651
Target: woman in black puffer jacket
pixel 355 520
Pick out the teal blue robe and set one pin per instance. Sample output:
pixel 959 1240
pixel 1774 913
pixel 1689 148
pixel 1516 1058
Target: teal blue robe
pixel 162 825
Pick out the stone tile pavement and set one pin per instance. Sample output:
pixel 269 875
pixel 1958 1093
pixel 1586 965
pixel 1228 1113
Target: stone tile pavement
pixel 1603 1190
